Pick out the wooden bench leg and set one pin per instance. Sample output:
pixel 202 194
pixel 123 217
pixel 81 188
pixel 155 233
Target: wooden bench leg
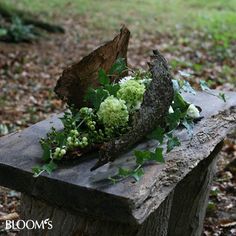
pixel 66 223
pixel 180 214
pixel 191 198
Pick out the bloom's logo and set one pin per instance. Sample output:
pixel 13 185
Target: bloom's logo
pixel 28 224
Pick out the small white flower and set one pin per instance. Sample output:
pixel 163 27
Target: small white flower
pixel 146 81
pixel 193 112
pixel 171 110
pixel 125 79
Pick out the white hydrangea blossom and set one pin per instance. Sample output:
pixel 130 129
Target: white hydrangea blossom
pixel 193 112
pixel 125 79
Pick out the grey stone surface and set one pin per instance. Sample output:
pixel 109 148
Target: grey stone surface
pixel 73 186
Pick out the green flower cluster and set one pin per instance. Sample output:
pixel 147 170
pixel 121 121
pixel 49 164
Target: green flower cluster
pixel 131 92
pixel 113 113
pixel 75 140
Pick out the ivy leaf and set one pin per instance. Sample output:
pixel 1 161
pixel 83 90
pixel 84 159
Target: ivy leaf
pixel 96 96
pixel 103 78
pixel 175 85
pixel 179 102
pixel 50 167
pixel 37 170
pixel 157 134
pixel 158 155
pixel 204 85
pixel 112 88
pixel 142 156
pixel 124 172
pixel 172 142
pixel 118 67
pixel 60 138
pixel 138 174
pixel 222 96
pixel 188 124
pixel 47 153
pixel 173 119
pixel 188 88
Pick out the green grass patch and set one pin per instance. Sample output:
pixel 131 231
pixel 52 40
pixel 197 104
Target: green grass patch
pixel 216 17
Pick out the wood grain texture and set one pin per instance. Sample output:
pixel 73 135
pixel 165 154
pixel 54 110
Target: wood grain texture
pixel 191 198
pixel 77 78
pixel 180 214
pixel 72 224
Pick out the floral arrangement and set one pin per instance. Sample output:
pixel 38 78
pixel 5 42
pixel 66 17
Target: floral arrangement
pixel 109 113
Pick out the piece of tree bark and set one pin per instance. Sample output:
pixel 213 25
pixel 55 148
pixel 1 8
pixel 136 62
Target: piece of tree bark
pixel 76 79
pixel 156 102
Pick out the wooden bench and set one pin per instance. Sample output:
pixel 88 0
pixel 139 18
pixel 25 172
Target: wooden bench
pixel 170 199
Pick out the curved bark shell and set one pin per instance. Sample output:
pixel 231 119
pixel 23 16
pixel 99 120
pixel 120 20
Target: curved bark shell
pixel 156 102
pixel 77 78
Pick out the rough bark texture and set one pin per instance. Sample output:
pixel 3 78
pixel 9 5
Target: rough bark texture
pixel 180 214
pixel 156 102
pixel 76 79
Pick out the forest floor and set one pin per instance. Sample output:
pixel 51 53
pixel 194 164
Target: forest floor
pixel 28 74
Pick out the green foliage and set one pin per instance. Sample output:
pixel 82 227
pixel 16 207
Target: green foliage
pixel 118 67
pixel 96 96
pixel 157 155
pixel 204 86
pixel 216 18
pixel 185 85
pixel 188 124
pixel 172 142
pixel 157 134
pixel 3 32
pixel 20 32
pixel 142 156
pixel 47 152
pixel 49 168
pixel 124 173
pixel 103 78
pixel 222 96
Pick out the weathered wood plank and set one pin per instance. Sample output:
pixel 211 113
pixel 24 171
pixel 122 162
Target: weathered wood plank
pixel 72 186
pixel 180 214
pixel 191 198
